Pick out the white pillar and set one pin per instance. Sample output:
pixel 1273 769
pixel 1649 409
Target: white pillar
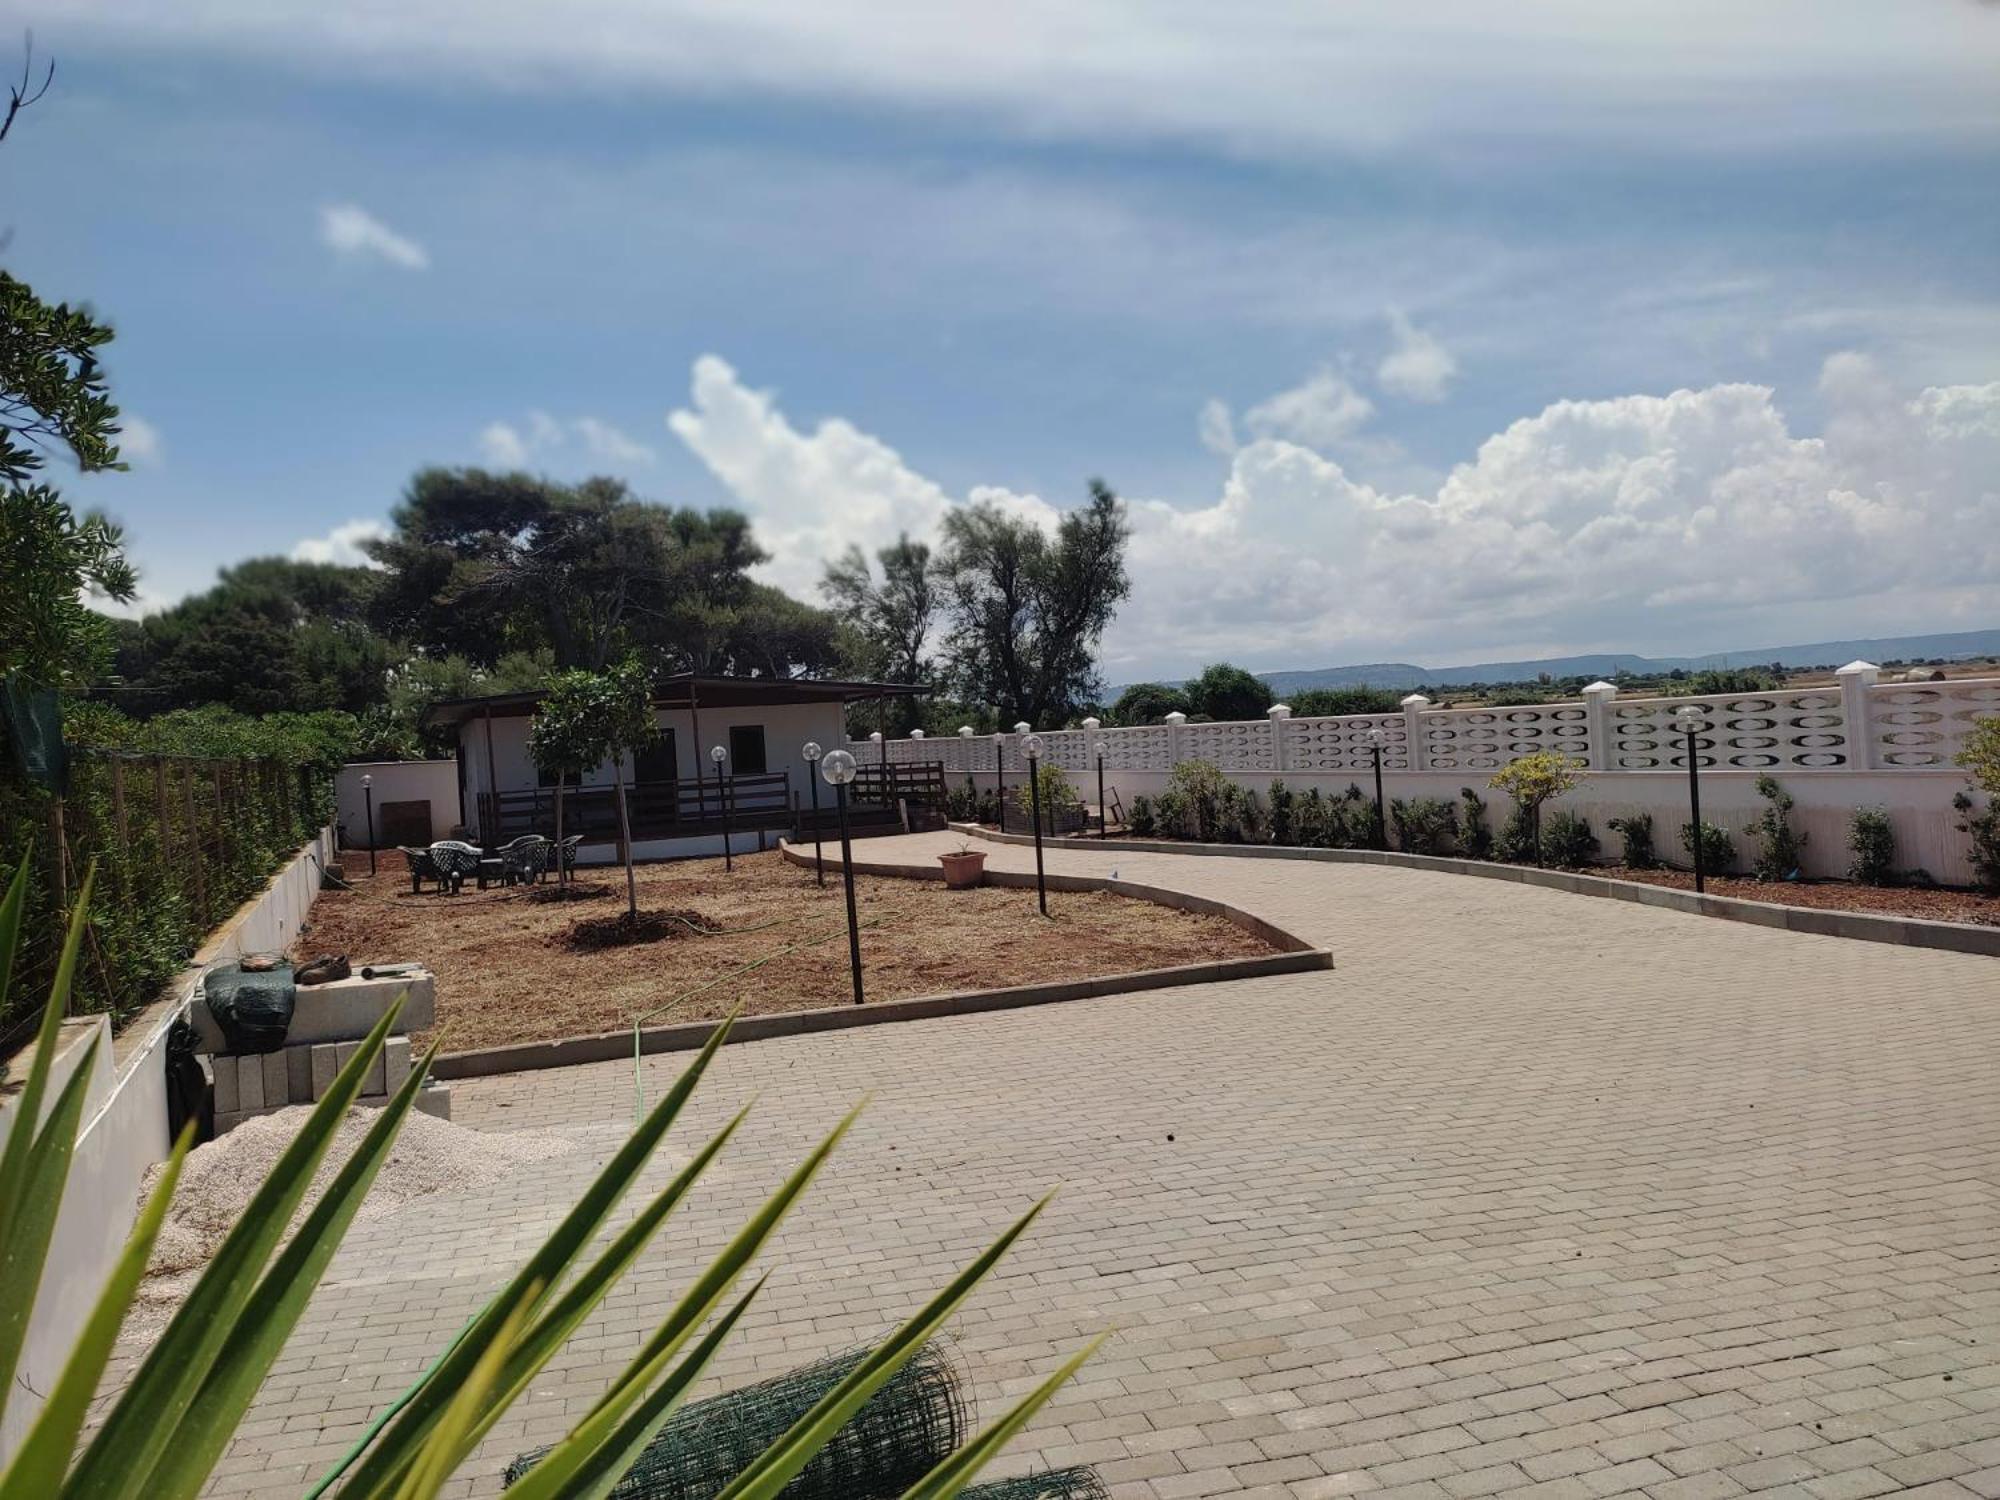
pixel 1413 731
pixel 1280 712
pixel 1174 722
pixel 1859 726
pixel 1597 718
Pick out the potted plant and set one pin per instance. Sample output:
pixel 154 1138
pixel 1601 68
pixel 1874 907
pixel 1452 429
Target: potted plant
pixel 964 867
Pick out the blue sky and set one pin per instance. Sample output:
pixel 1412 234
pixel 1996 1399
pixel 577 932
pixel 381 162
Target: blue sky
pixel 1668 328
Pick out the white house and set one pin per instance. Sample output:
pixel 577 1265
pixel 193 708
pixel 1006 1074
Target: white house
pixel 676 798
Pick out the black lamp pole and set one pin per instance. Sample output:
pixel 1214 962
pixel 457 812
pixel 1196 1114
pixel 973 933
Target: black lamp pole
pixel 819 862
pixel 1694 807
pixel 847 874
pixel 1000 780
pixel 722 791
pixel 1381 814
pixel 1035 811
pixel 368 792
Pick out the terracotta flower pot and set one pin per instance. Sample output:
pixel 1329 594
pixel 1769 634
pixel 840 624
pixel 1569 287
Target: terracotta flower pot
pixel 963 869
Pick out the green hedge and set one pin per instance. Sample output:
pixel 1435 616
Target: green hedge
pixel 185 816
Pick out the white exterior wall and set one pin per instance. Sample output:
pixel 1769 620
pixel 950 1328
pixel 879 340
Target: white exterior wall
pixel 1857 743
pixel 432 781
pixel 786 726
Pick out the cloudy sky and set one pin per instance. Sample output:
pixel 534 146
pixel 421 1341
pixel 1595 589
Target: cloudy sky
pixel 1434 331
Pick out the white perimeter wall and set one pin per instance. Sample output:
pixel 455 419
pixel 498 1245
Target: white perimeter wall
pixel 125 1132
pixel 1919 804
pixel 432 781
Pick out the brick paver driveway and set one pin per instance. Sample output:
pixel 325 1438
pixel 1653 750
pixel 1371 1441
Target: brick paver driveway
pixel 1532 1193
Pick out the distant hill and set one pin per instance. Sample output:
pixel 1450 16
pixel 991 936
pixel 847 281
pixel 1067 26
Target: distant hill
pixel 1402 674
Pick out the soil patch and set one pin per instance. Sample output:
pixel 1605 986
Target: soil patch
pixel 626 927
pixel 1931 903
pixel 505 973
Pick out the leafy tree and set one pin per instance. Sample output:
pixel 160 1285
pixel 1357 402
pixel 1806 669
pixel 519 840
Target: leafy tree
pixel 1535 779
pixel 1317 703
pixel 1147 703
pixel 1720 682
pixel 589 718
pixel 272 635
pixel 1980 755
pixel 1026 610
pixel 1224 692
pixel 893 617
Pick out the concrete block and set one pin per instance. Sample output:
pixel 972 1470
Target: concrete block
pixel 277 1080
pixel 225 1086
pixel 228 1120
pixel 249 1082
pixel 299 1076
pixel 372 1082
pixel 436 1100
pixel 396 1063
pixel 325 1063
pixel 345 1010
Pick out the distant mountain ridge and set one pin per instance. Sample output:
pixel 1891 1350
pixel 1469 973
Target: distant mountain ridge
pixel 1402 674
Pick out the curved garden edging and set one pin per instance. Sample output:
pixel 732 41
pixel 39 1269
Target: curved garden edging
pixel 1866 927
pixel 1294 956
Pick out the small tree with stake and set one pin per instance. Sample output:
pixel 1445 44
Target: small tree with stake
pixel 589 718
pixel 1535 779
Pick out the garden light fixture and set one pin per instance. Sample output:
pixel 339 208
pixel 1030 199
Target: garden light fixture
pixel 1376 740
pixel 1103 816
pixel 717 754
pixel 812 754
pixel 368 792
pixel 1031 747
pixel 1688 719
pixel 838 769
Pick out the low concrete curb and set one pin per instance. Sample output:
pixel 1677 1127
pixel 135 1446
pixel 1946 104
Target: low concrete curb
pixel 1865 927
pixel 1295 956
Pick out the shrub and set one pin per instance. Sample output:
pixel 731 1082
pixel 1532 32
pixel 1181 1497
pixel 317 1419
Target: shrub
pixel 1351 820
pixel 1567 841
pixel 1191 806
pixel 961 803
pixel 1778 845
pixel 1531 781
pixel 1983 826
pixel 1309 819
pixel 1718 849
pixel 1281 801
pixel 1980 755
pixel 1057 795
pixel 1515 843
pixel 1140 819
pixel 1424 825
pixel 1636 829
pixel 1871 838
pixel 1473 835
pixel 1243 820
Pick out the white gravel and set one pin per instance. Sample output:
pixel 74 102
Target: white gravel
pixel 430 1157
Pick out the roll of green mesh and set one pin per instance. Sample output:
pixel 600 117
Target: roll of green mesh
pixel 910 1424
pixel 1055 1484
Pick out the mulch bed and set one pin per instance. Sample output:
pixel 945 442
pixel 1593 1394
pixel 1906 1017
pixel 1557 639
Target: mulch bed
pixel 507 970
pixel 645 926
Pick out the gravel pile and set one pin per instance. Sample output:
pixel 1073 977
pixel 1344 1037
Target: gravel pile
pixel 430 1157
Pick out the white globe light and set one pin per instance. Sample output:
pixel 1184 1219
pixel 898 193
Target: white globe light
pixel 837 768
pixel 1103 748
pixel 717 754
pixel 1687 719
pixel 812 750
pixel 1032 747
pixel 368 781
pixel 1377 738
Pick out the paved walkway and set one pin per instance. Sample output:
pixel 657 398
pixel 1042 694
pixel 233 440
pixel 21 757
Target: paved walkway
pixel 1533 1193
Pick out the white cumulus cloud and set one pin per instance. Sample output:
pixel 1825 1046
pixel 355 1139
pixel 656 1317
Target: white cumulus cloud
pixel 1418 367
pixel 1698 517
pixel 139 441
pixel 341 545
pixel 506 445
pixel 1322 412
pixel 353 233
pixel 1216 427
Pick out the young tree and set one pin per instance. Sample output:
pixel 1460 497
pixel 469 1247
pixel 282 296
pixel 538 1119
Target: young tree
pixel 1224 692
pixel 1026 610
pixel 564 741
pixel 594 717
pixel 1535 779
pixel 893 617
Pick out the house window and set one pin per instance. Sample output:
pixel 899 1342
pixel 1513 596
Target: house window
pixel 746 750
pixel 657 762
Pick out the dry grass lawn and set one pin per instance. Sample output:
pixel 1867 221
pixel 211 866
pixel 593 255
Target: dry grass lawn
pixel 507 971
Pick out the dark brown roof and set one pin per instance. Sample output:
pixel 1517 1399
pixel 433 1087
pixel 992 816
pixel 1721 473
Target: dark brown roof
pixel 684 688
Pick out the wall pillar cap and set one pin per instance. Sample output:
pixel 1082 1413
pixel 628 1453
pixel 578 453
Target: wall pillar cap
pixel 1280 710
pixel 1416 700
pixel 1092 724
pixel 1177 717
pixel 1857 669
pixel 1024 727
pixel 1601 689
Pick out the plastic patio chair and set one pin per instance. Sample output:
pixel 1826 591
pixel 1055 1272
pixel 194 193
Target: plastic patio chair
pixel 422 868
pixel 455 860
